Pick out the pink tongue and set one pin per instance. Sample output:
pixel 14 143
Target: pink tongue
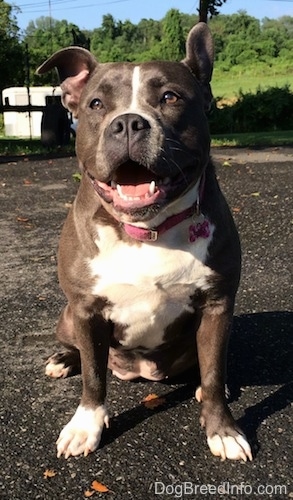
pixel 138 190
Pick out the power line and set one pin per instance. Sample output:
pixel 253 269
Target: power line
pixel 30 8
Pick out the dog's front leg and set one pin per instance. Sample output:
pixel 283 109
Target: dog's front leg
pixel 224 437
pixel 82 434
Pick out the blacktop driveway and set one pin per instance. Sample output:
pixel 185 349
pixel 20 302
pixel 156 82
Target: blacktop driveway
pixel 146 453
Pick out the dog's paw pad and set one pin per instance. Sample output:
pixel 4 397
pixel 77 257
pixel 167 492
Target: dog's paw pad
pixel 83 433
pixel 232 447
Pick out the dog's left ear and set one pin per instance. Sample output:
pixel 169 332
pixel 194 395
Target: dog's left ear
pixel 200 57
pixel 74 66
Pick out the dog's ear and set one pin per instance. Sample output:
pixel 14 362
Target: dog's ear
pixel 200 57
pixel 74 66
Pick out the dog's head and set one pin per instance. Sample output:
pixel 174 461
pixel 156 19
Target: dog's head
pixel 142 131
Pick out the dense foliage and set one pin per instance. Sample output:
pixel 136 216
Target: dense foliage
pixel 266 110
pixel 11 53
pixel 241 41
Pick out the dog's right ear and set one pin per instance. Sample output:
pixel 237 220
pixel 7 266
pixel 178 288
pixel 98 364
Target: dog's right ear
pixel 74 66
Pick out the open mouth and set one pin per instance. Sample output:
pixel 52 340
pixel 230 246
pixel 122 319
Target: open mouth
pixel 133 186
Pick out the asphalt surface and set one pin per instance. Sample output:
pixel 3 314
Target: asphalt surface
pixel 146 452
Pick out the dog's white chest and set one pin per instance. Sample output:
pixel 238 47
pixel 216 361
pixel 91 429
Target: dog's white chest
pixel 147 286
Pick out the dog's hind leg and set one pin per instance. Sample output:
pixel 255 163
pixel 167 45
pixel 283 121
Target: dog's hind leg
pixel 66 362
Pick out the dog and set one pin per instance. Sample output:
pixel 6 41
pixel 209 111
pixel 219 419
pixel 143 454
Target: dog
pixel 149 256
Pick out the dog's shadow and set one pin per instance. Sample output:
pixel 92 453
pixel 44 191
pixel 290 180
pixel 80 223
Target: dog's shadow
pixel 260 354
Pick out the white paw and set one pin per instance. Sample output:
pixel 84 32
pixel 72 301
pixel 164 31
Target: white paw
pixel 235 448
pixel 83 433
pixel 56 370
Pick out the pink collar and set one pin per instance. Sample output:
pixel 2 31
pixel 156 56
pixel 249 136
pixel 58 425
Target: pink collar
pixel 143 234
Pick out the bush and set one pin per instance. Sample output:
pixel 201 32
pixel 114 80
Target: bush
pixel 266 110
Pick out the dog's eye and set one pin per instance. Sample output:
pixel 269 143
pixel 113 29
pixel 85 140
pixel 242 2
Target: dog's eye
pixel 170 97
pixel 96 104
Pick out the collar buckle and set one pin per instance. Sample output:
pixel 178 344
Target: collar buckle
pixel 153 235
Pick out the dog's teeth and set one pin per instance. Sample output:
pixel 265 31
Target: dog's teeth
pixel 124 196
pixel 119 190
pixel 113 184
pixel 152 188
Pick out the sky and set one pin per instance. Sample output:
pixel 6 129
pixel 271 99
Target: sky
pixel 88 14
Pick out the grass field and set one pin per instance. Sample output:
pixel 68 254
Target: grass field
pixel 279 138
pixel 26 147
pixel 13 146
pixel 227 85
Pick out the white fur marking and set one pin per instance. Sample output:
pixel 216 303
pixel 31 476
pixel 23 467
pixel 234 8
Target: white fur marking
pixel 198 393
pixel 135 87
pixel 148 285
pixel 83 433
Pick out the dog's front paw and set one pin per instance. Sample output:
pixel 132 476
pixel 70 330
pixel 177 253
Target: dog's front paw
pixel 233 447
pixel 83 433
pixel 224 437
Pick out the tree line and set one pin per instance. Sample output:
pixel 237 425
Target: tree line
pixel 240 41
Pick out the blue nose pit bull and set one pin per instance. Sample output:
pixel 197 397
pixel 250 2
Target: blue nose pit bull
pixel 149 257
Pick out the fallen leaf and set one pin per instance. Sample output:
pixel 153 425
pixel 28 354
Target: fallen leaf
pixel 149 397
pixel 153 401
pixel 255 194
pixel 76 177
pixel 22 219
pixel 101 488
pixel 27 182
pixel 226 164
pixel 89 493
pixel 49 473
pixel 236 209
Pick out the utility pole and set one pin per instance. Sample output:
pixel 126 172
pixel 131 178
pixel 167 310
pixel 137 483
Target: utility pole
pixel 50 28
pixel 203 11
pixel 27 72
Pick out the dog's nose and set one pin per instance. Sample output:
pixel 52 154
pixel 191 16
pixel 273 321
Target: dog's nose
pixel 129 125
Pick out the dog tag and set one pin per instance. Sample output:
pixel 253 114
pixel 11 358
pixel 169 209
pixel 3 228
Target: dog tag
pixel 200 228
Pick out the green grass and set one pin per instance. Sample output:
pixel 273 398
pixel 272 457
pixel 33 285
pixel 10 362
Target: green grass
pixel 269 139
pixel 26 147
pixel 11 146
pixel 227 85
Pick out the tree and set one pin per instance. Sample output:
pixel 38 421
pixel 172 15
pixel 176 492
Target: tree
pixel 104 39
pixel 11 50
pixel 109 27
pixel 208 7
pixel 173 40
pixel 46 35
